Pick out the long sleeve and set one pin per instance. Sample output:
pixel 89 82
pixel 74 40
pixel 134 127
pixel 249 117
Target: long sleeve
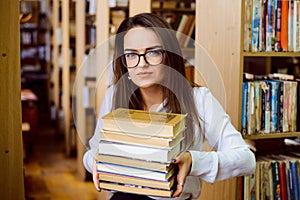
pixel 231 157
pixel 94 141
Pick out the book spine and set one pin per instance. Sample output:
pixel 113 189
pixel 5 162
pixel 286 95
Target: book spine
pixel 244 107
pixel 274 106
pixel 291 25
pixel 270 28
pixel 284 25
pixel 248 27
pixel 276 180
pixel 280 106
pixel 277 46
pixel 255 25
pixel 295 180
pixel 257 105
pixel 267 108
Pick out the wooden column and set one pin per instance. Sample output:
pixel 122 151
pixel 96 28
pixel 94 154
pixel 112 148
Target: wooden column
pixel 138 6
pixel 66 73
pixel 55 52
pixel 80 114
pixel 217 57
pixel 102 49
pixel 11 151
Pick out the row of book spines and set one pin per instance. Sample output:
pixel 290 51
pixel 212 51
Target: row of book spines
pixel 269 106
pixel 273 179
pixel 272 25
pixel 185 26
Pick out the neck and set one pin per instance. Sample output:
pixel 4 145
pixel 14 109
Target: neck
pixel 152 96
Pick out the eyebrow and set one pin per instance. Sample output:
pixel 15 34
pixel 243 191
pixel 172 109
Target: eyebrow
pixel 147 49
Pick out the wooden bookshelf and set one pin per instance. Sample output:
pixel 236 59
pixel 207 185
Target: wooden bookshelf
pixel 11 158
pixel 262 63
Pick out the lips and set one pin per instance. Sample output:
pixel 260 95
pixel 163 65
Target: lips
pixel 144 73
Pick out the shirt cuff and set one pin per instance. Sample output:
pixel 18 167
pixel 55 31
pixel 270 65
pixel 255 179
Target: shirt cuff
pixel 204 165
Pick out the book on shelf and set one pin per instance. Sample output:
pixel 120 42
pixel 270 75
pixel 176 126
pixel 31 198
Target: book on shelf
pixel 141 122
pixel 148 141
pixel 164 155
pixel 136 172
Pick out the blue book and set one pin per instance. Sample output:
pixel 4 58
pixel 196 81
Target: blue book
pixel 244 107
pixel 274 106
pixel 256 25
pixel 295 193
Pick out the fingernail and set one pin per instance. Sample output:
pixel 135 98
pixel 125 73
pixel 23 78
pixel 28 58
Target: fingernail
pixel 173 160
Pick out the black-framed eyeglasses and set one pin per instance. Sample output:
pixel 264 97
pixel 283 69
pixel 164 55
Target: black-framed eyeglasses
pixel 152 58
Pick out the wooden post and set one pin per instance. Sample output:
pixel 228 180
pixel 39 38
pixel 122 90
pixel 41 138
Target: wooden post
pixel 138 6
pixel 217 57
pixel 11 151
pixel 80 111
pixel 66 73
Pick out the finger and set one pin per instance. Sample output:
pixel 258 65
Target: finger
pixel 95 176
pixel 178 191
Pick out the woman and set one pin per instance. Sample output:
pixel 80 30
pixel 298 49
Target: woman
pixel 149 74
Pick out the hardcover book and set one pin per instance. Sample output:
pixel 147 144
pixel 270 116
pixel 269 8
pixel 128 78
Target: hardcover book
pixel 144 123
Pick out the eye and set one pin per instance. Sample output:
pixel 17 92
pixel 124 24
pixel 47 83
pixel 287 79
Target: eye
pixel 130 55
pixel 154 53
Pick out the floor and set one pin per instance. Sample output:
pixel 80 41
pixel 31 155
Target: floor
pixel 50 174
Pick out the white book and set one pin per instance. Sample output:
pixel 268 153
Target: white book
pixel 162 155
pixel 135 172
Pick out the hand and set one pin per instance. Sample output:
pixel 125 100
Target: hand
pixel 95 176
pixel 184 163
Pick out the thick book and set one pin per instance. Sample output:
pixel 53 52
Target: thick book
pixel 136 172
pixel 136 189
pixel 140 122
pixel 162 155
pixel 124 179
pixel 148 141
pixel 118 160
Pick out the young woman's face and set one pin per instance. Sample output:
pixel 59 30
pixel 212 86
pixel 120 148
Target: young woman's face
pixel 144 73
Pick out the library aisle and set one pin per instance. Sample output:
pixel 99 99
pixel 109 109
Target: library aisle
pixel 49 174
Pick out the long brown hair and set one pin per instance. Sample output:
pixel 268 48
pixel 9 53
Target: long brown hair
pixel 177 91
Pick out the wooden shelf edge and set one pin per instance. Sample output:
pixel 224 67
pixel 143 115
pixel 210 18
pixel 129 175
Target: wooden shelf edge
pixel 272 135
pixel 271 54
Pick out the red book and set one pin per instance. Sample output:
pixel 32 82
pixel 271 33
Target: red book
pixel 282 178
pixel 284 25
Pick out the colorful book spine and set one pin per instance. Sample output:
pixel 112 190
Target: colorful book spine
pixel 255 25
pixel 244 107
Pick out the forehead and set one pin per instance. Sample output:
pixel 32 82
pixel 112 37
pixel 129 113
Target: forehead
pixel 140 38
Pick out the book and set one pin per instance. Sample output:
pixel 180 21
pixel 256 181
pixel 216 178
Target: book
pixel 162 155
pixel 136 189
pixel 136 172
pixel 141 122
pixel 148 141
pixel 167 185
pixel 156 166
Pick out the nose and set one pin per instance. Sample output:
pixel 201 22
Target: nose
pixel 142 62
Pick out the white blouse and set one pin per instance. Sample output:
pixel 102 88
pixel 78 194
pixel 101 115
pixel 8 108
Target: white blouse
pixel 231 156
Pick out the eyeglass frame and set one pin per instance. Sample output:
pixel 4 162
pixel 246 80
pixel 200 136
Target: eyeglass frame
pixel 162 51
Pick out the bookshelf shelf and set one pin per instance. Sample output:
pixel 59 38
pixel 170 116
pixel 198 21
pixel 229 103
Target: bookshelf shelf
pixel 272 135
pixel 270 54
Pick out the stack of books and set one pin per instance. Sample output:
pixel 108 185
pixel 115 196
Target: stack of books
pixel 136 150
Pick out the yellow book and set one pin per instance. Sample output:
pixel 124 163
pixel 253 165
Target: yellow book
pixel 140 122
pixel 142 140
pixel 136 189
pixel 124 179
